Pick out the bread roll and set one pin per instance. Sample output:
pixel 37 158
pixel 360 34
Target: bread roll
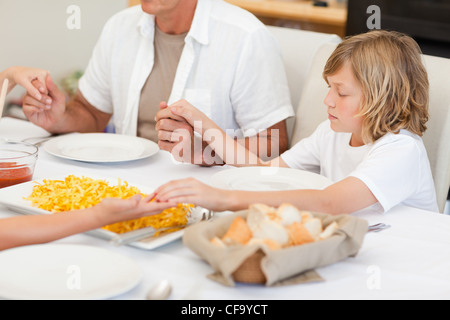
pixel 217 242
pixel 306 215
pixel 269 229
pixel 239 232
pixel 288 214
pixel 255 217
pixel 314 226
pixel 257 213
pixel 269 243
pixel 299 234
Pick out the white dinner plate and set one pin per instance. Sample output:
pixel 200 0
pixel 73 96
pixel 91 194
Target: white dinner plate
pixel 14 199
pixel 268 179
pixel 65 272
pixel 100 147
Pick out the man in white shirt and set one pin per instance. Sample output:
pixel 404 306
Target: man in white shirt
pixel 218 57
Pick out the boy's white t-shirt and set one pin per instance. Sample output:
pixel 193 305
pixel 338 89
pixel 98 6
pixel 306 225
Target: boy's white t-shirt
pixel 395 168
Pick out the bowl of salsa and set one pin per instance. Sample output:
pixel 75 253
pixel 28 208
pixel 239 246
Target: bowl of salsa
pixel 17 162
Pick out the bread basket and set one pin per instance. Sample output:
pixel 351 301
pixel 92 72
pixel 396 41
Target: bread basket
pixel 250 270
pixel 257 264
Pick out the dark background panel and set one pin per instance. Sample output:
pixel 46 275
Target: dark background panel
pixel 427 21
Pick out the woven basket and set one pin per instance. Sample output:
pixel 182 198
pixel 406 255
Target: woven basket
pixel 250 270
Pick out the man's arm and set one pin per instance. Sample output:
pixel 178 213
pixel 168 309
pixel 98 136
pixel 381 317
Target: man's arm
pixel 94 119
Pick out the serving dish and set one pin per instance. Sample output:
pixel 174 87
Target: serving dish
pixel 14 198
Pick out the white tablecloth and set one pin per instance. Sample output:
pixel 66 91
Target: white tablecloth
pixel 409 260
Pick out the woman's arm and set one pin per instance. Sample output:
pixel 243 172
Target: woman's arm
pixel 27 78
pixel 26 230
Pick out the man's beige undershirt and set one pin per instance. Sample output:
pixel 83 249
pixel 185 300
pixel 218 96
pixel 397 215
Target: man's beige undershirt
pixel 157 88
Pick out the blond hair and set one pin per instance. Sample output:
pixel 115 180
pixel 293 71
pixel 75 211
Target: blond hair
pixel 394 81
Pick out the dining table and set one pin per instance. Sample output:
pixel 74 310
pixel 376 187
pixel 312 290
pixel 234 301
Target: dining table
pixel 408 260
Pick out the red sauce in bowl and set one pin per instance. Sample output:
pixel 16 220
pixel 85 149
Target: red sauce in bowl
pixel 11 173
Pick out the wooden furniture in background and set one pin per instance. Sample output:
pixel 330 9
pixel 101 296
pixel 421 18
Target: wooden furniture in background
pixel 295 13
pixel 300 13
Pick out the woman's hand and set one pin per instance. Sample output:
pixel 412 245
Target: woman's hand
pixel 32 79
pixel 112 210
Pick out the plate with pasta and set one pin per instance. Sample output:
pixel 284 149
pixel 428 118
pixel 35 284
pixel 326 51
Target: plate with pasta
pixel 73 192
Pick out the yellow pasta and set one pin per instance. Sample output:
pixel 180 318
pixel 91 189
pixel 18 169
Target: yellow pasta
pixel 176 216
pixel 74 193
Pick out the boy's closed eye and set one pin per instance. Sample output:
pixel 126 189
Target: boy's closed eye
pixel 340 94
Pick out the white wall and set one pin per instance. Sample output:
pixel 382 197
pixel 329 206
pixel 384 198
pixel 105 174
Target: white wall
pixel 34 33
